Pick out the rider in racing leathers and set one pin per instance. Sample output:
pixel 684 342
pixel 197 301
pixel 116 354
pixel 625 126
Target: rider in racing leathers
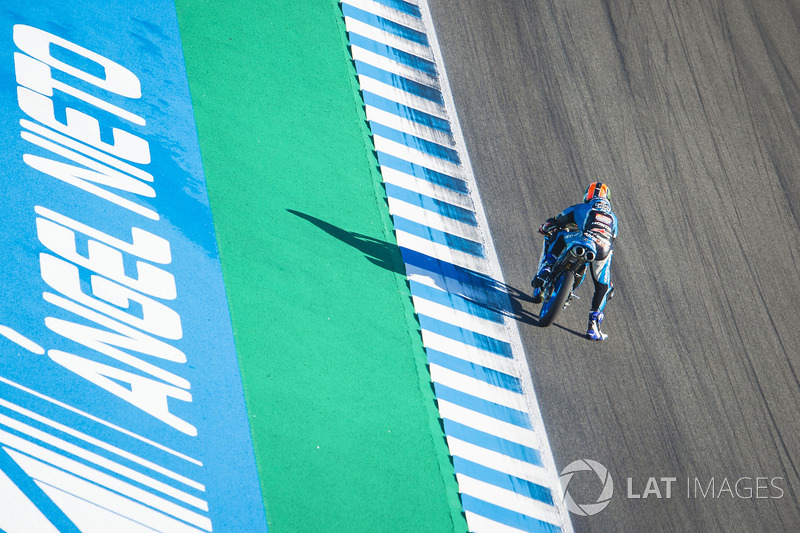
pixel 595 218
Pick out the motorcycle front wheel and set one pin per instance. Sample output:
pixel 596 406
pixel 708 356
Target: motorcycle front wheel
pixel 558 297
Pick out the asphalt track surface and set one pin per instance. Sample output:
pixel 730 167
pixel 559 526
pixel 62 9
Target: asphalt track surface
pixel 689 110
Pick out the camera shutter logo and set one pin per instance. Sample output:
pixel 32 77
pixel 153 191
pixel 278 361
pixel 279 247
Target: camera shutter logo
pixel 587 509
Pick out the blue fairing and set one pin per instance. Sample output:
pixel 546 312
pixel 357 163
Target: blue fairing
pixel 573 238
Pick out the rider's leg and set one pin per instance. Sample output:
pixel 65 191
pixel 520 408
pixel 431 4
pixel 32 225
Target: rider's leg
pixel 535 282
pixel 601 275
pixel 550 249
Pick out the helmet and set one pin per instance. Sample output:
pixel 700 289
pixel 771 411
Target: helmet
pixel 596 190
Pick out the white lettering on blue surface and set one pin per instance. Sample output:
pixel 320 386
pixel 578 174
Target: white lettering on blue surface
pixel 130 311
pixel 83 127
pixel 38 76
pixel 147 394
pixel 36 43
pixel 112 299
pixel 111 293
pixel 106 261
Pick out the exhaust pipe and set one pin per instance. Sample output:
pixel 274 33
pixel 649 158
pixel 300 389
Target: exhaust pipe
pixel 589 256
pixel 578 251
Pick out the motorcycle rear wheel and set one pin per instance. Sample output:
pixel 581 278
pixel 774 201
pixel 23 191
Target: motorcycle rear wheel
pixel 558 297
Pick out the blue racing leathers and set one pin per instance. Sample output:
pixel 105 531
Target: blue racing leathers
pixel 596 219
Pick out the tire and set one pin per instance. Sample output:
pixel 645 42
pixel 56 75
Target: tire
pixel 554 304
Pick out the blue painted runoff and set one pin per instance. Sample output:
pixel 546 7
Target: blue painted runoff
pixel 423 173
pixel 504 516
pixel 502 480
pixel 487 375
pixel 485 407
pixel 466 336
pixel 455 301
pixel 471 285
pixel 389 52
pixel 205 421
pixel 403 111
pixel 437 236
pixel 465 216
pixel 428 147
pixel 492 442
pixel 385 24
pixel 404 84
pixel 404 7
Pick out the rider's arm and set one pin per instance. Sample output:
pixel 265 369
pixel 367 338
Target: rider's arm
pixel 566 217
pixel 548 227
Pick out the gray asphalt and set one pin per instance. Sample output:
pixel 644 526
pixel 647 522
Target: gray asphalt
pixel 689 111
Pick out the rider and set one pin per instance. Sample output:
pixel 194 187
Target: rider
pixel 595 218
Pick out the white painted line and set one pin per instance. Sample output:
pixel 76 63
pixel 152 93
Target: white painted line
pixel 433 220
pixel 508 499
pixel 377 60
pixel 413 155
pixel 481 524
pixel 21 340
pixel 385 37
pixel 101 421
pixel 459 318
pixel 443 344
pixel 91 518
pixel 515 366
pixel 388 13
pixel 426 277
pixel 445 283
pixel 103 445
pixel 498 461
pixel 477 388
pixel 409 126
pixel 549 466
pixel 488 424
pixel 48 477
pixel 58 477
pixel 18 513
pixel 412 183
pixel 122 471
pixel 454 286
pixel 399 95
pixel 440 251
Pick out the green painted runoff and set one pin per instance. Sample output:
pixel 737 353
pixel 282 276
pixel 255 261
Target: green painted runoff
pixel 341 409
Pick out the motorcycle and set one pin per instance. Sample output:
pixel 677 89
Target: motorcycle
pixel 566 275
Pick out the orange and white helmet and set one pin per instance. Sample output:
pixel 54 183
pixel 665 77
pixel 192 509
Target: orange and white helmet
pixel 596 190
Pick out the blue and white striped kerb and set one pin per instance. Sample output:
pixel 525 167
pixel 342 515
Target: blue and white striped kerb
pixel 505 470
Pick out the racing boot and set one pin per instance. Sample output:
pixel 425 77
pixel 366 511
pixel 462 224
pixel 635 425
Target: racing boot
pixel 594 333
pixel 538 281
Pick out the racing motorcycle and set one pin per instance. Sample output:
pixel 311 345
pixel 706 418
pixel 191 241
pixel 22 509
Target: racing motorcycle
pixel 566 275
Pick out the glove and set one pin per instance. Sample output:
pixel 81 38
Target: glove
pixel 548 227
